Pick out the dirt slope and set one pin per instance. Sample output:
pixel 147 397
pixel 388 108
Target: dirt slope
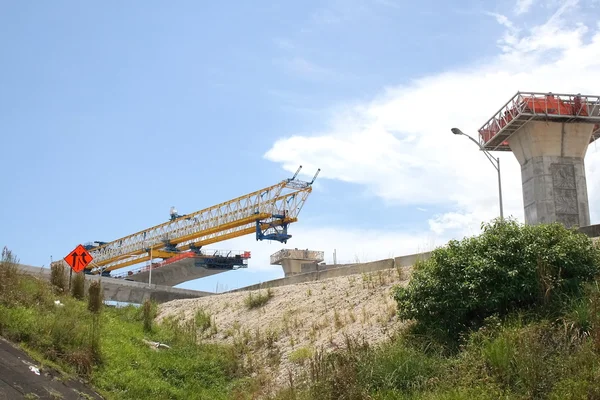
pixel 280 335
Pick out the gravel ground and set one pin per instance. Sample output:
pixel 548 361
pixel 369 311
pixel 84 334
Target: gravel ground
pixel 297 320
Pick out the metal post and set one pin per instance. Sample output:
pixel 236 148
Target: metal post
pixel 500 190
pixel 150 275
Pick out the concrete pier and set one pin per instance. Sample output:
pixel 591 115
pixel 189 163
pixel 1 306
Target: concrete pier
pixel 551 155
pixel 294 261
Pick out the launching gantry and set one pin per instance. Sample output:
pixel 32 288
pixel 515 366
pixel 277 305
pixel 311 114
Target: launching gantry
pixel 266 212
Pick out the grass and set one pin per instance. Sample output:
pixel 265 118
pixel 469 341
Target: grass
pixel 105 346
pixel 132 370
pixel 524 355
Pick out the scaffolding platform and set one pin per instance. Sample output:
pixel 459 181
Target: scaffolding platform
pixel 532 106
pixel 296 254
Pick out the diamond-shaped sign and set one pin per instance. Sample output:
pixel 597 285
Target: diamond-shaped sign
pixel 79 258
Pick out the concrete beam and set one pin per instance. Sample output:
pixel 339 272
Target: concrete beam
pixel 176 273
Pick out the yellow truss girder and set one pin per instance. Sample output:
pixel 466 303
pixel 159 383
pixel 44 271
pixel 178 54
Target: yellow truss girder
pixel 243 232
pixel 211 225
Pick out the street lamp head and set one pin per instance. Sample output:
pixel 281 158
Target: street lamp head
pixel 457 131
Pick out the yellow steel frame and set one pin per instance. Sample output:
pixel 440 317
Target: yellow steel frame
pixel 227 220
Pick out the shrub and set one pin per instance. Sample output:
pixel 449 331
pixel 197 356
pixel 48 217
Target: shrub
pixel 508 267
pixel 58 278
pixel 78 286
pixel 9 276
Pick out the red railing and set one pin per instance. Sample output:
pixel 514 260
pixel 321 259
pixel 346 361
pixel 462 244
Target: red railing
pixel 544 104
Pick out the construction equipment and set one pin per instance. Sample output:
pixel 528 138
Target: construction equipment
pixel 266 212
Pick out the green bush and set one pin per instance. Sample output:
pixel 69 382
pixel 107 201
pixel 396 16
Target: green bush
pixel 508 267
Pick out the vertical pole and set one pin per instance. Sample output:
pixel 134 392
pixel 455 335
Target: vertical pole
pixel 150 275
pixel 70 276
pixel 500 190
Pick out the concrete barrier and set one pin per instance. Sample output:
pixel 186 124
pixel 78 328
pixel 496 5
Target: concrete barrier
pixel 411 259
pixel 341 270
pixel 127 291
pixel 592 231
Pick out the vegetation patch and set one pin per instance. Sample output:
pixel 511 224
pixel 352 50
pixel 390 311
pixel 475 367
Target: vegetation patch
pixel 108 347
pixel 507 268
pixel 511 314
pixel 255 300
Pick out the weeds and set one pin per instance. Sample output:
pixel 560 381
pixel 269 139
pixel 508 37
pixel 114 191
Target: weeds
pixel 8 276
pixel 58 278
pixel 95 297
pixel 259 299
pixel 148 315
pixel 301 355
pixel 337 320
pixel 78 286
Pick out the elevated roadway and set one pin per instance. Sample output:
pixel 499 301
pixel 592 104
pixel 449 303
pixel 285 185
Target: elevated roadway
pixel 183 270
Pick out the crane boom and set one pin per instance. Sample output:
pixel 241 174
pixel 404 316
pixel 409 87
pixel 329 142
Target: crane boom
pixel 267 212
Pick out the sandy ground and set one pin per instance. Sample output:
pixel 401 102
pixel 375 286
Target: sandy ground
pixel 279 336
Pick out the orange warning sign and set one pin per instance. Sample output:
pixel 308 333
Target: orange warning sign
pixel 78 259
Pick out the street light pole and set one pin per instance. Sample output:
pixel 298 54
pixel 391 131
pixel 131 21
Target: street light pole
pixel 495 162
pixel 150 274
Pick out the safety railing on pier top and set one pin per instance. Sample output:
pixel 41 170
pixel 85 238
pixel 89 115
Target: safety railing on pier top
pixel 297 254
pixel 243 255
pixel 526 106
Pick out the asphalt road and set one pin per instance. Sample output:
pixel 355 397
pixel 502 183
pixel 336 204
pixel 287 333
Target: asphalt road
pixel 19 381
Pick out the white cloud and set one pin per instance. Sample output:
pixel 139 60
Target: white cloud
pixel 399 145
pixel 523 6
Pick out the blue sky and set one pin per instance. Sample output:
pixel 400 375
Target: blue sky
pixel 110 113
